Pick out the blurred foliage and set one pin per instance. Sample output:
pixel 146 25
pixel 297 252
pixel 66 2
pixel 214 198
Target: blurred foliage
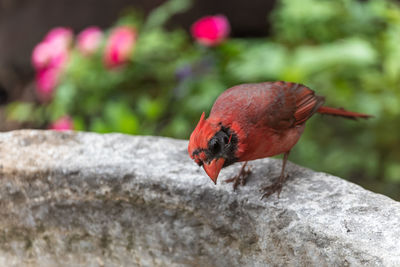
pixel 346 50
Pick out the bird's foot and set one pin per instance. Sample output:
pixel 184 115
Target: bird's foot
pixel 275 187
pixel 240 178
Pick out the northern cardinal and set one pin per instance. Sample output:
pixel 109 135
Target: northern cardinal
pixel 253 121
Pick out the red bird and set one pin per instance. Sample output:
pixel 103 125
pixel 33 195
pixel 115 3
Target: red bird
pixel 253 121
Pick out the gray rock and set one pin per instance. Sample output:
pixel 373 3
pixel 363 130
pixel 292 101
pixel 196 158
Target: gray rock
pixel 83 199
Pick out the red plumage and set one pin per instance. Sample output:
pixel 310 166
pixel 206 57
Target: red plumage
pixel 252 121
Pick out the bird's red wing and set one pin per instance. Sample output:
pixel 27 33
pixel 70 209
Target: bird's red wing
pixel 278 105
pixel 307 103
pixel 292 105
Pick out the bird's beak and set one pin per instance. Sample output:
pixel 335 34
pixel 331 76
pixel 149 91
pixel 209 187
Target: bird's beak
pixel 214 168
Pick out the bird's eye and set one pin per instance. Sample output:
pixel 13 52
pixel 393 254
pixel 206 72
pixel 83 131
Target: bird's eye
pixel 214 146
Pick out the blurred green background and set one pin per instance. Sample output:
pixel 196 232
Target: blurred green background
pixel 345 50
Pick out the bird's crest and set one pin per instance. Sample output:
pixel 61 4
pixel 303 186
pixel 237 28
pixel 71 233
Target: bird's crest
pixel 200 136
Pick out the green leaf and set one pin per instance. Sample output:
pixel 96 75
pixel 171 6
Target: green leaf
pixel 259 61
pixel 151 108
pixel 179 127
pixel 351 52
pixel 79 124
pixel 120 118
pixel 63 101
pixel 99 126
pixel 20 111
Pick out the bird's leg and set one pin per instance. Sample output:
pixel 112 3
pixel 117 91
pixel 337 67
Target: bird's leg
pixel 240 178
pixel 277 186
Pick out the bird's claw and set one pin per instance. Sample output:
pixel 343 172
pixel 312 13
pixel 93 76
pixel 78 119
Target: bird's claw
pixel 240 178
pixel 269 190
pixel 275 187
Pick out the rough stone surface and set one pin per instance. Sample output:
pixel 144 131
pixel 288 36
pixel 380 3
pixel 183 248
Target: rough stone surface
pixel 80 199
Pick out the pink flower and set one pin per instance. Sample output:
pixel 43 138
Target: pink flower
pixel 60 36
pixel 41 55
pixel 211 30
pixel 89 40
pixel 119 46
pixel 46 81
pixel 62 124
pixel 49 58
pixel 53 49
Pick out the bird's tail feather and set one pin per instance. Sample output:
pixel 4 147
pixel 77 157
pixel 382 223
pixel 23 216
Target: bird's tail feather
pixel 342 113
